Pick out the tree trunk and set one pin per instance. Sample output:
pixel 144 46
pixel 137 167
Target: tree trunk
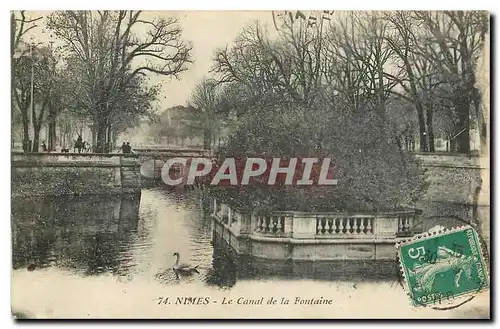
pixel 52 137
pixel 418 105
pixel 94 138
pixel 463 145
pixel 51 143
pixel 101 136
pixel 463 142
pixel 108 139
pixel 481 123
pixel 36 138
pixel 207 139
pixel 483 136
pixel 430 128
pixel 26 137
pixel 422 130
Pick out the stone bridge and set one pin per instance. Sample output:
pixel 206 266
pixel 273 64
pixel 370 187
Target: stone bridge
pixel 152 159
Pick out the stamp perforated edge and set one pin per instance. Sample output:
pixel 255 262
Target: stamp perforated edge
pixel 429 235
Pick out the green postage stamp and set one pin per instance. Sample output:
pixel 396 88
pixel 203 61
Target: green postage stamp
pixel 441 266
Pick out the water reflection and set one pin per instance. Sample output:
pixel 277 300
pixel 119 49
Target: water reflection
pixel 134 238
pixel 229 267
pixel 85 234
pixel 129 235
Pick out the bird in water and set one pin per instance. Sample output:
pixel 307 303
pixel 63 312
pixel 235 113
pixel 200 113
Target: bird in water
pixel 183 268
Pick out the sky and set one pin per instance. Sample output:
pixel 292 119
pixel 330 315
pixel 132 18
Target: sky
pixel 206 30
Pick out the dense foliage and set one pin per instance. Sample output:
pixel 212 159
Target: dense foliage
pixel 373 172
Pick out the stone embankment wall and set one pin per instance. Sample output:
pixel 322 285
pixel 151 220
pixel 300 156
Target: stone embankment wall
pixel 36 174
pixel 458 192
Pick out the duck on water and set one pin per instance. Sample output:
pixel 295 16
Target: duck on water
pixel 184 268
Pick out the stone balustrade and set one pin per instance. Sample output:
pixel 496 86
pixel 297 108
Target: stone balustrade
pixel 344 226
pixel 270 225
pixel 321 225
pixel 309 225
pixel 300 235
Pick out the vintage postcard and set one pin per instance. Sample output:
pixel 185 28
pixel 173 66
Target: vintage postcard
pixel 250 164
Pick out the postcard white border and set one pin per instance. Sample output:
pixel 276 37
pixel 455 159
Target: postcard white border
pixel 6 320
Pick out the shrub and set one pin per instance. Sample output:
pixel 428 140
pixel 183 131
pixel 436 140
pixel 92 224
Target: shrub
pixel 373 173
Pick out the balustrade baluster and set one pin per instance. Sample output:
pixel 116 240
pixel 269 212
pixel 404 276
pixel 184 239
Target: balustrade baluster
pixel 407 224
pixel 323 225
pixel 267 225
pixel 330 225
pixel 282 218
pixel 274 221
pixel 362 226
pixel 369 225
pixel 318 225
pixel 337 225
pixel 344 225
pixel 259 224
pixel 403 224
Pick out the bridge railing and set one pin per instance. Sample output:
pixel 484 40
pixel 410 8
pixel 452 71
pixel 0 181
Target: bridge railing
pixel 22 159
pixel 173 152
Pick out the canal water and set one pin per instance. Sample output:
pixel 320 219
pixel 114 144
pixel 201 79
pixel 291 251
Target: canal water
pixel 113 256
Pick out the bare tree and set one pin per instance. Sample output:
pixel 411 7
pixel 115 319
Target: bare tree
pixel 404 43
pixel 206 102
pixel 360 62
pixel 356 63
pixel 454 45
pixel 21 24
pixel 47 90
pixel 109 52
pixel 251 63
